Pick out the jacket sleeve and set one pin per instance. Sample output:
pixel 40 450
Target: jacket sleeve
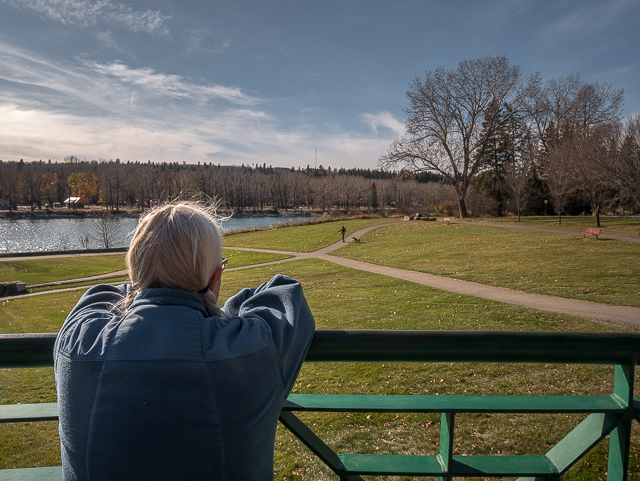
pixel 281 306
pixel 87 319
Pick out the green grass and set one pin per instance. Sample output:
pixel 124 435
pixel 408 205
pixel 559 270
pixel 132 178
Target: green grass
pixel 246 258
pixel 44 313
pixel 37 271
pixel 40 271
pixel 306 238
pixel 342 298
pixel 608 224
pixel 556 264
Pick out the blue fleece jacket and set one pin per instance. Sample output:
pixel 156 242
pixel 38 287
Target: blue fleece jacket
pixel 167 392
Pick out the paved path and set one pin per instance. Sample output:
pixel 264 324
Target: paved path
pixel 615 315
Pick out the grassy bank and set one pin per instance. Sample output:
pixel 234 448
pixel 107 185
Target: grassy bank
pixel 305 238
pixel 50 269
pixel 556 264
pixel 608 224
pixel 45 270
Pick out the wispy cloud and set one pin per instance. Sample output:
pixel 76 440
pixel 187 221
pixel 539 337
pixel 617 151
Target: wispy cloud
pixel 503 10
pixel 384 119
pixel 169 85
pixel 84 14
pixel 589 16
pixel 230 138
pixel 52 109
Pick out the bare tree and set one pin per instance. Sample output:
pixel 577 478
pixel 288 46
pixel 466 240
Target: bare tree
pixel 556 175
pixel 107 230
pixel 445 120
pixel 623 161
pixel 10 183
pixel 516 178
pixel 112 181
pixel 560 108
pixel 585 167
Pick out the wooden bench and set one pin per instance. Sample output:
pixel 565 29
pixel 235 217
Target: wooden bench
pixel 446 220
pixel 590 231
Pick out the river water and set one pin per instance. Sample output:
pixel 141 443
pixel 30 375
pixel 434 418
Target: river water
pixel 50 234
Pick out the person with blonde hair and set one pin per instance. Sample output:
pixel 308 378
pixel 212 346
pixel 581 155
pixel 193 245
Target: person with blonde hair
pixel 155 381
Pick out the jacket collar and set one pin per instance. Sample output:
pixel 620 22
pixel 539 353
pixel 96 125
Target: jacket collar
pixel 165 296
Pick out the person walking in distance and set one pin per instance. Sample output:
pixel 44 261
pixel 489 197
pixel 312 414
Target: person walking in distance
pixel 342 231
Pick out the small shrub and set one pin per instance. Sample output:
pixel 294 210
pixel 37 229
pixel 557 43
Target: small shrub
pixel 448 208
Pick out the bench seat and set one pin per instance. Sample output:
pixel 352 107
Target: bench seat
pixel 49 473
pixel 408 465
pixel 15 413
pixel 591 231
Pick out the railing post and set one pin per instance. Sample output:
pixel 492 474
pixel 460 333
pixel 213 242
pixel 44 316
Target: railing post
pixel 623 383
pixel 620 437
pixel 446 444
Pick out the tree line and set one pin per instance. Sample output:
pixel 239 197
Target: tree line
pixel 114 184
pixel 521 141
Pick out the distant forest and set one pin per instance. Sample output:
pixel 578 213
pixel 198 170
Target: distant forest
pixel 114 184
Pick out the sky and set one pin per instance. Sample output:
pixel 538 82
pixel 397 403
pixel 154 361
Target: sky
pixel 280 83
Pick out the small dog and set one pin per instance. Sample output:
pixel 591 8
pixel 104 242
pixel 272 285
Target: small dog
pixel 356 239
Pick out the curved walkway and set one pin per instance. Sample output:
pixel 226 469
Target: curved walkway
pixel 615 315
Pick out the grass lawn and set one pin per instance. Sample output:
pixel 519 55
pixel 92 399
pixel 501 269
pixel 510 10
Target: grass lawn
pixel 305 238
pixel 246 258
pixel 40 271
pixel 608 224
pixel 37 271
pixel 345 299
pixel 556 264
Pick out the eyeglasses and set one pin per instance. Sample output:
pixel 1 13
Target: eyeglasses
pixel 223 263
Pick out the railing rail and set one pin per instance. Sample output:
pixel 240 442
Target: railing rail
pixel 607 415
pixel 17 350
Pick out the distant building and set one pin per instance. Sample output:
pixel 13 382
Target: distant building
pixel 73 202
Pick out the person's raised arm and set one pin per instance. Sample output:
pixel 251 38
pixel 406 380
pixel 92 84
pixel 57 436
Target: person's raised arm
pixel 281 305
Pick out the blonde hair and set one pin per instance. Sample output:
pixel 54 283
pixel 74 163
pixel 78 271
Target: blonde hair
pixel 177 245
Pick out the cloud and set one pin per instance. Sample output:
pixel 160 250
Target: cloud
pixel 588 17
pixel 85 14
pixel 229 138
pixel 104 86
pixel 384 119
pixel 221 47
pixel 504 10
pixel 50 109
pixel 169 85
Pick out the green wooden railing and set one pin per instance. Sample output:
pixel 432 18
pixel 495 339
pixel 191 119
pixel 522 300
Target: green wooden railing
pixel 607 415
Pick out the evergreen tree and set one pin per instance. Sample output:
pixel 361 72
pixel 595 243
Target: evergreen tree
pixel 374 196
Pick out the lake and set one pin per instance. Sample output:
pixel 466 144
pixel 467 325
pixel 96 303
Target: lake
pixel 51 234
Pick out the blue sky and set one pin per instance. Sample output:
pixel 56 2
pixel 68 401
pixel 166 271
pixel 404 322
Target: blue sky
pixel 249 82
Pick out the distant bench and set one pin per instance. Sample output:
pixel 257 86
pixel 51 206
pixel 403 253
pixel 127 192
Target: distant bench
pixel 590 231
